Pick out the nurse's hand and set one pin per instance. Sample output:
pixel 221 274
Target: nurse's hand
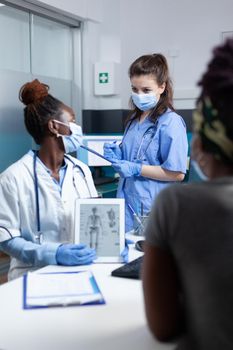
pixel 112 151
pixel 75 254
pixel 126 168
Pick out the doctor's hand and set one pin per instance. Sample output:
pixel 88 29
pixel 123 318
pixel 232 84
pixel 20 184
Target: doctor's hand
pixel 112 151
pixel 126 168
pixel 75 254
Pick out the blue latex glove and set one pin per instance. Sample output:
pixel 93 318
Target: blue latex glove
pixel 129 241
pixel 75 254
pixel 125 253
pixel 126 168
pixel 112 151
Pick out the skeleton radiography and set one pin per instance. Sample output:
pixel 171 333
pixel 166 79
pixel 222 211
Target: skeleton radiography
pixel 112 217
pixel 100 225
pixel 94 228
pixel 99 228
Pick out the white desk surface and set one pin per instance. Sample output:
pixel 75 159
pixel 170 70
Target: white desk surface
pixel 119 324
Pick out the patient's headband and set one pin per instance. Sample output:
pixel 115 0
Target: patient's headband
pixel 206 122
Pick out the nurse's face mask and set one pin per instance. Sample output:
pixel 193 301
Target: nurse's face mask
pixel 73 141
pixel 145 91
pixel 144 102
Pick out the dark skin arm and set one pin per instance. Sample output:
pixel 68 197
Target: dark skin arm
pixel 161 294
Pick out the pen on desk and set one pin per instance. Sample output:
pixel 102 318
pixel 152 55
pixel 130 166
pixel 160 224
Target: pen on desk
pixel 61 303
pixel 66 302
pixel 135 214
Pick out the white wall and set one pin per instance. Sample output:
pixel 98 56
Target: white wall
pixel 84 9
pixel 101 42
pixel 186 27
pixel 121 30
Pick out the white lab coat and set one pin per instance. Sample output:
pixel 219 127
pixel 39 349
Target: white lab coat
pixel 18 203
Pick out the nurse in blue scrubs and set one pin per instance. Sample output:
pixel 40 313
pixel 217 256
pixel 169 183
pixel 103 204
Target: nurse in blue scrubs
pixel 153 152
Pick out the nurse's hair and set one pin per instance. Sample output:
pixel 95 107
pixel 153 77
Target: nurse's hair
pixel 40 108
pixel 155 65
pixel 213 118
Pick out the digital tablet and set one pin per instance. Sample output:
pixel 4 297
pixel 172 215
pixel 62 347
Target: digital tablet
pixel 100 224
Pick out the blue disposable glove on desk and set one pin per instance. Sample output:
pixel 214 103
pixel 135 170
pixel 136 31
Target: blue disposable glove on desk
pixel 129 241
pixel 75 254
pixel 112 151
pixel 126 168
pixel 125 253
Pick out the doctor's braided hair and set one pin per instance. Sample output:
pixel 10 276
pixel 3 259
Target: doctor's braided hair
pixel 157 66
pixel 40 108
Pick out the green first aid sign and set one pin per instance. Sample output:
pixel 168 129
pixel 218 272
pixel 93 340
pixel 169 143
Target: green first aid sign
pixel 103 78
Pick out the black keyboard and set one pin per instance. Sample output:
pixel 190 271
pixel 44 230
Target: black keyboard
pixel 129 270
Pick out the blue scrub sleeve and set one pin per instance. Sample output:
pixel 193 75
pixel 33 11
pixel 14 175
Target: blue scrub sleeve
pixel 31 253
pixel 174 146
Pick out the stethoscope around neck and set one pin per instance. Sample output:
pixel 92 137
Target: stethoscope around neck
pixel 39 234
pixel 150 131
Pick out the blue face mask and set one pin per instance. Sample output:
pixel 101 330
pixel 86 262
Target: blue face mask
pixel 72 142
pixel 144 102
pixel 198 170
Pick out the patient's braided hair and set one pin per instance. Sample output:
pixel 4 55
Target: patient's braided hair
pixel 213 119
pixel 40 108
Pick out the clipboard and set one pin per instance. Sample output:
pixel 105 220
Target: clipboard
pixel 56 289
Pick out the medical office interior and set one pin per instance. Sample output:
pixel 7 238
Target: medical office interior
pixel 83 48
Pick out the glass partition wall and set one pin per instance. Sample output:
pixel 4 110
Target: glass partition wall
pixel 31 47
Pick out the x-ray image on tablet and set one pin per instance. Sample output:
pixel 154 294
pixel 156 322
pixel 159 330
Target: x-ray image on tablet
pixel 99 223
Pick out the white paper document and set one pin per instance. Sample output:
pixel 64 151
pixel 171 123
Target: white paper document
pixel 51 289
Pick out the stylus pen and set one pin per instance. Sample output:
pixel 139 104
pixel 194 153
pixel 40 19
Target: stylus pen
pixel 96 153
pixel 135 214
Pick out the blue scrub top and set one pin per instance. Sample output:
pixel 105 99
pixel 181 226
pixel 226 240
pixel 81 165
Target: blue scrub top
pixel 161 143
